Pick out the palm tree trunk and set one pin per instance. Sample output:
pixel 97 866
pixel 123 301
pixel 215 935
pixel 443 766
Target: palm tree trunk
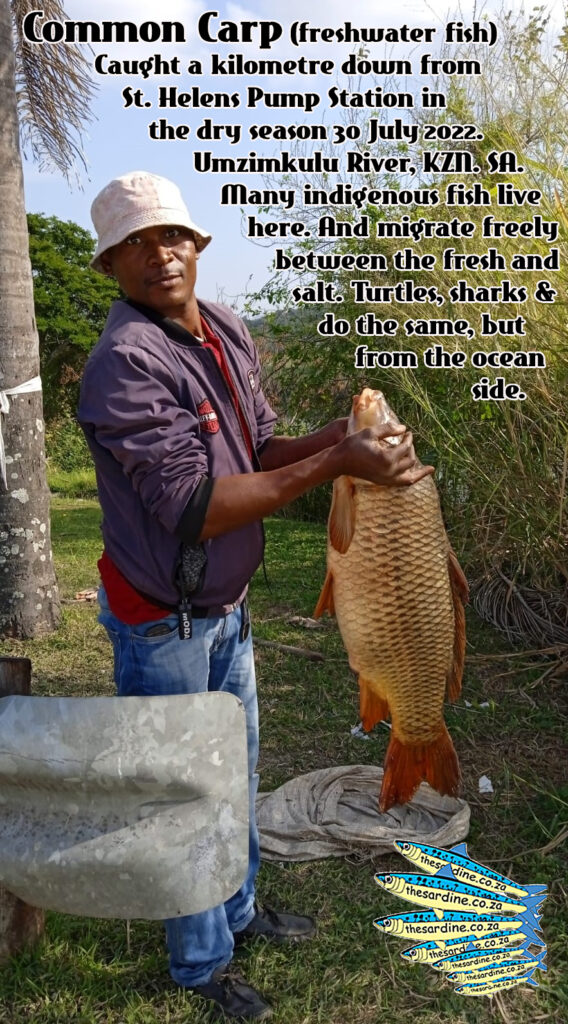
pixel 20 924
pixel 29 600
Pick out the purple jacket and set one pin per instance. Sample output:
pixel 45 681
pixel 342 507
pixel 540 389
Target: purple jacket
pixel 161 425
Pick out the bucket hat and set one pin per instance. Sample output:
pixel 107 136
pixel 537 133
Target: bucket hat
pixel 136 201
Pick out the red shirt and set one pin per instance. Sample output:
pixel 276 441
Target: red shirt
pixel 213 343
pixel 124 600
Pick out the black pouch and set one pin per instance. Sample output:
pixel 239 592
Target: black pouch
pixel 192 567
pixel 189 578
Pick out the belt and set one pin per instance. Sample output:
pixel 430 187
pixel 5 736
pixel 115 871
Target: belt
pixel 215 611
pixel 188 611
pixel 208 613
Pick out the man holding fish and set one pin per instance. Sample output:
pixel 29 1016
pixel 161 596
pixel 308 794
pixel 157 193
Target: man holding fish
pixel 187 465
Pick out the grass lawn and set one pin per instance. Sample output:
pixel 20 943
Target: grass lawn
pixel 89 971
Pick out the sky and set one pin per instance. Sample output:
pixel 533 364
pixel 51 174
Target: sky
pixel 117 139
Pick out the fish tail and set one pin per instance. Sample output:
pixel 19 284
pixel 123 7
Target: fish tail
pixel 530 918
pixel 460 597
pixel 372 708
pixel 541 957
pixel 528 930
pixel 529 980
pixel 534 890
pixel 533 905
pixel 407 765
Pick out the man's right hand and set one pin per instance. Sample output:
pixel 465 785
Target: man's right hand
pixel 244 498
pixel 363 456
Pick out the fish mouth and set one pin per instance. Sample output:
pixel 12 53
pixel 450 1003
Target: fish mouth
pixel 365 403
pixel 370 409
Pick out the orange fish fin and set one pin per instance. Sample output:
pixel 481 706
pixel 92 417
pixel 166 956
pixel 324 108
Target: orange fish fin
pixel 372 709
pixel 407 765
pixel 457 577
pixel 460 596
pixel 342 514
pixel 325 600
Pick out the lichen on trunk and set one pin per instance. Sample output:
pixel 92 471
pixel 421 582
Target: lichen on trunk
pixel 29 600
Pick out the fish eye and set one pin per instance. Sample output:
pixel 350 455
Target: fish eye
pixel 388 879
pixel 382 923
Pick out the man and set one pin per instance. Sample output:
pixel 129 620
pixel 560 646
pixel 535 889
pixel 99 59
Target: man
pixel 187 466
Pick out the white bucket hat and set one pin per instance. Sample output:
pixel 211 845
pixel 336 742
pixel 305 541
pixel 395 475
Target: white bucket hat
pixel 136 201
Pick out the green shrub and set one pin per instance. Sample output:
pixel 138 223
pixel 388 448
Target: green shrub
pixel 66 448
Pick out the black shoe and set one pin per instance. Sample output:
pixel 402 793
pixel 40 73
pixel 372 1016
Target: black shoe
pixel 233 996
pixel 267 924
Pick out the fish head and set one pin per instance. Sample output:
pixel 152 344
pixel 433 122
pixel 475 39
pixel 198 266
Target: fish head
pixel 386 881
pixel 385 924
pixel 408 850
pixel 370 409
pixel 410 954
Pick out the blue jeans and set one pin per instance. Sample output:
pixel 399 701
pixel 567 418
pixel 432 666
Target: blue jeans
pixel 213 659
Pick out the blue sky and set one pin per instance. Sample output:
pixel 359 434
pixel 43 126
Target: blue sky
pixel 117 141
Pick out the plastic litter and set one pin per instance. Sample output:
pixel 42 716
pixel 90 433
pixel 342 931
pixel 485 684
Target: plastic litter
pixel 485 785
pixel 359 733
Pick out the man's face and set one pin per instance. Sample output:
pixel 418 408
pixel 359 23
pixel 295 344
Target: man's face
pixel 157 267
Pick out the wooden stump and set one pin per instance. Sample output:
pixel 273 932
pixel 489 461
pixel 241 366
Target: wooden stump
pixel 20 924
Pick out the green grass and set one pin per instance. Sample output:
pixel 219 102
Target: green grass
pixel 72 483
pixel 88 971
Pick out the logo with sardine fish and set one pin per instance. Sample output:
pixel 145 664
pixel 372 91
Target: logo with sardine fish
pixel 479 925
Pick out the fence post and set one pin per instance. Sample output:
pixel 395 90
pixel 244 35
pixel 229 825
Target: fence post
pixel 20 924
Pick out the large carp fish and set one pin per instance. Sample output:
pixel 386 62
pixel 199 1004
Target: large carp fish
pixel 398 593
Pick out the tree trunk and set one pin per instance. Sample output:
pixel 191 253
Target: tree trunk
pixel 20 924
pixel 29 600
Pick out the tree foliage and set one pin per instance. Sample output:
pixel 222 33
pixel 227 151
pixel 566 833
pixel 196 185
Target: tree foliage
pixel 501 466
pixel 71 303
pixel 53 93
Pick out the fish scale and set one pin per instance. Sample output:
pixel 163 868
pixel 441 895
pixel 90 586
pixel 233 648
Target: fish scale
pixel 389 584
pixel 390 650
